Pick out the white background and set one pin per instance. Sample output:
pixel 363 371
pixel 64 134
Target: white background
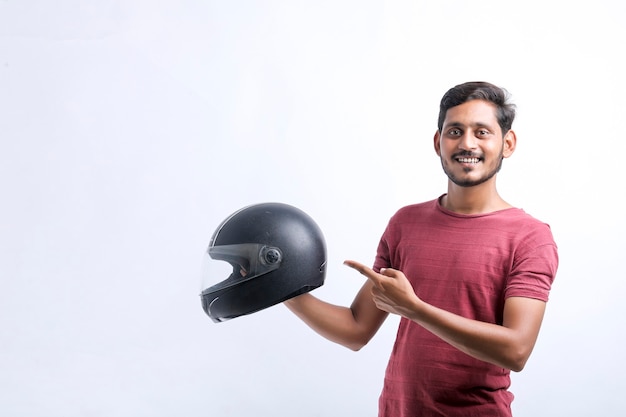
pixel 130 129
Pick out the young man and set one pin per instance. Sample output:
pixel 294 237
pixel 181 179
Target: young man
pixel 468 273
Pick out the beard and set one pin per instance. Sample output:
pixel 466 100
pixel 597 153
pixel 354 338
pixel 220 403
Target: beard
pixel 471 182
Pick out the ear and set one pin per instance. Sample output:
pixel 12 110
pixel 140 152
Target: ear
pixel 509 142
pixel 437 143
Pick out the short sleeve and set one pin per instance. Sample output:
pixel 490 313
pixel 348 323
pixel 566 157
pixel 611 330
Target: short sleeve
pixel 533 271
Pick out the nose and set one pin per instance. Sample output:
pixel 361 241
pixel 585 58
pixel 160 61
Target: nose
pixel 467 142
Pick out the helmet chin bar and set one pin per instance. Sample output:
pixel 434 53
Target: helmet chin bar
pixel 242 299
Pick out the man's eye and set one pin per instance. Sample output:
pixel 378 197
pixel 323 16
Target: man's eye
pixel 454 132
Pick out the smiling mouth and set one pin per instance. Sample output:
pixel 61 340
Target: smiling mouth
pixel 465 160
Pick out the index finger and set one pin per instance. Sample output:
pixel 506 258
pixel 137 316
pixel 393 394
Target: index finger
pixel 365 270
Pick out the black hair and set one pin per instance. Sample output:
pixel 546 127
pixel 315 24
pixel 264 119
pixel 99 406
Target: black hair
pixel 479 90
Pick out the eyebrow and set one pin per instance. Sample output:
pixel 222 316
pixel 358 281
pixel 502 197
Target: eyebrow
pixel 459 124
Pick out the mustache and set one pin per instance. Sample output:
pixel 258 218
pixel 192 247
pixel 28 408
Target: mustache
pixel 467 154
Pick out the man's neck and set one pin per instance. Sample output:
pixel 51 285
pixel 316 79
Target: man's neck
pixel 479 199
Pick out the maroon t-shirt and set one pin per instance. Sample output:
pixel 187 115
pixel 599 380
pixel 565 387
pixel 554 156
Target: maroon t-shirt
pixel 468 265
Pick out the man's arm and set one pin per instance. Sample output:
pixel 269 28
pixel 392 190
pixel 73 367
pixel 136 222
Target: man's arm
pixel 351 327
pixel 508 345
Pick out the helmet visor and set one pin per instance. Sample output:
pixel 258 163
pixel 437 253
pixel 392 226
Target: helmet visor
pixel 229 265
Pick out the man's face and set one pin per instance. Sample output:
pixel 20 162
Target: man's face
pixel 471 145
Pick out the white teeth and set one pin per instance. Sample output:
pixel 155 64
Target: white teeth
pixel 469 160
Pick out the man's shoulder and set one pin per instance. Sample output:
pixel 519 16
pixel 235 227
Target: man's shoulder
pixel 520 217
pixel 416 207
pixel 415 211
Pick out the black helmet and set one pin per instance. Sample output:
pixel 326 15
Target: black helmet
pixel 272 251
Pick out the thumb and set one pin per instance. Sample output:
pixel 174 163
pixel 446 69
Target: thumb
pixel 391 275
pixel 389 272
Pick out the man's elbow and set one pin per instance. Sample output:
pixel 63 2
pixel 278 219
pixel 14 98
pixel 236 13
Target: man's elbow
pixel 355 346
pixel 357 343
pixel 517 367
pixel 517 362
